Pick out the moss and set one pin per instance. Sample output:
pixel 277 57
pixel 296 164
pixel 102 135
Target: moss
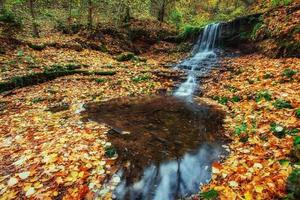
pixel 38 47
pixel 47 75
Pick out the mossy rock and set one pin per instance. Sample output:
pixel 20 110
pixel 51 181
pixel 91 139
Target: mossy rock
pixel 38 47
pixel 125 56
pixel 293 183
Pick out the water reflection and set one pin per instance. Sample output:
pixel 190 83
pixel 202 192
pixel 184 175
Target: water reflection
pixel 173 179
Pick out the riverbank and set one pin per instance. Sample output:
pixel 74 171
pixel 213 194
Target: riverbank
pixel 262 97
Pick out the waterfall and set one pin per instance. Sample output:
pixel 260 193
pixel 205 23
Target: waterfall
pixel 202 57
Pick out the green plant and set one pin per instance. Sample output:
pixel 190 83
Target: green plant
pixel 241 129
pixel 209 195
pixel 278 130
pixel 256 27
pixel 100 80
pixel 138 79
pixel 235 99
pixel 10 17
pixel 190 31
pixel 293 183
pixel 221 100
pixel 20 53
pixel 176 18
pixel 268 76
pixel 297 113
pixel 263 95
pixel 37 100
pixel 110 151
pixel 276 3
pixel 289 73
pixel 280 104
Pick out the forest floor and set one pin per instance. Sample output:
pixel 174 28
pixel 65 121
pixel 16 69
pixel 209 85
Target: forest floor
pixel 49 153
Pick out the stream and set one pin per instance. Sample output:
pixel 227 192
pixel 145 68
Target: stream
pixel 165 145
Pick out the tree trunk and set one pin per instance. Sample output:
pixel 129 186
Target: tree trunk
pixel 161 12
pixel 2 2
pixel 90 14
pixel 34 24
pixel 70 16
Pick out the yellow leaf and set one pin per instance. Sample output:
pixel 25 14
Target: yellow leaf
pixel 259 189
pixel 248 196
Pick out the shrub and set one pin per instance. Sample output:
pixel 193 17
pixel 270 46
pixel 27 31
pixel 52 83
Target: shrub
pixel 293 183
pixel 209 195
pixel 280 104
pixel 110 151
pixel 298 113
pixel 263 95
pixel 278 130
pixel 190 32
pixel 235 99
pixel 138 79
pixel 221 100
pixel 241 128
pixel 10 18
pixel 176 18
pixel 100 80
pixel 289 73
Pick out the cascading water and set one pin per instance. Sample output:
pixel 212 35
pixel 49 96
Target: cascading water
pixel 201 60
pixel 169 145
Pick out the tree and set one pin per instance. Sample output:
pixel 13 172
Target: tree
pixel 2 3
pixel 33 18
pixel 90 14
pixel 159 7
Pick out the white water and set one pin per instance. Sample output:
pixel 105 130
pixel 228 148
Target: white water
pixel 203 56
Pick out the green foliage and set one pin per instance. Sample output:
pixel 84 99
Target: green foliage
pixel 256 27
pixel 293 183
pixel 278 130
pixel 20 53
pixel 280 104
pixel 190 31
pixel 100 80
pixel 289 73
pixel 241 129
pixel 276 3
pixel 9 17
pixel 138 79
pixel 268 76
pixel 236 99
pixel 209 195
pixel 221 100
pixel 110 151
pixel 263 95
pixel 296 140
pixel 37 100
pixel 297 113
pixel 176 18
